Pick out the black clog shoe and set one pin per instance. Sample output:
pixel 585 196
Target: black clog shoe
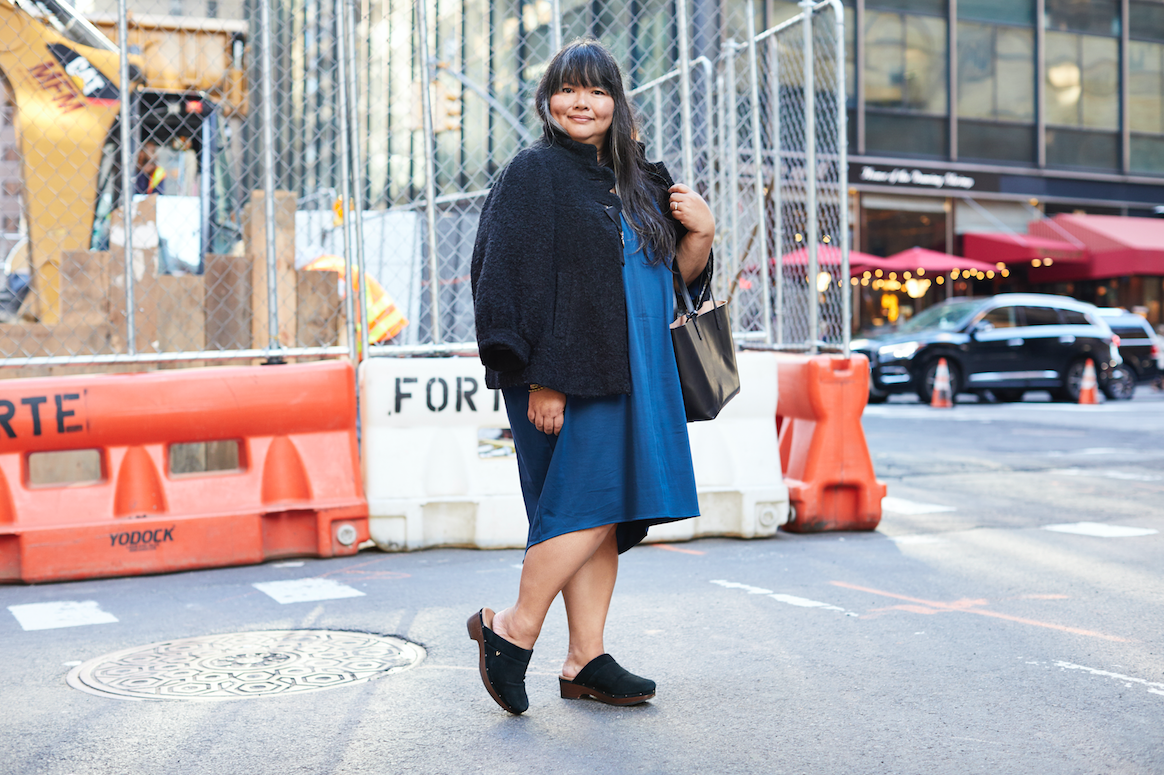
pixel 607 681
pixel 502 665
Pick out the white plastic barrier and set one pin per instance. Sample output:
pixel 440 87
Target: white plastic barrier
pixel 427 484
pixel 737 462
pixel 436 472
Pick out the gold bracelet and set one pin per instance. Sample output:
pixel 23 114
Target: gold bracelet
pixel 533 388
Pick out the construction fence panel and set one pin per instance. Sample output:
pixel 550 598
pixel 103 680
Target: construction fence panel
pixel 188 163
pixel 305 177
pixel 785 212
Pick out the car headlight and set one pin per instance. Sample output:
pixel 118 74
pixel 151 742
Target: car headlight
pixel 900 351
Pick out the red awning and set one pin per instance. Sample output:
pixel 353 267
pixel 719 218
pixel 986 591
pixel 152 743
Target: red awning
pixel 1117 246
pixel 829 257
pixel 993 247
pixel 933 262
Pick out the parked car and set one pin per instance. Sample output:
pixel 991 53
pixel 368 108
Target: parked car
pixel 1006 344
pixel 1141 347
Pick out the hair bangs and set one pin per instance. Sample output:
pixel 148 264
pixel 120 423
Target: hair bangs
pixel 586 66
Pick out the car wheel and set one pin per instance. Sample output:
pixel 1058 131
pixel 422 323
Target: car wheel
pixel 925 388
pixel 1120 386
pixel 1072 383
pixel 1008 395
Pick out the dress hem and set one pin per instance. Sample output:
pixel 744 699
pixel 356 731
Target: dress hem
pixel 644 522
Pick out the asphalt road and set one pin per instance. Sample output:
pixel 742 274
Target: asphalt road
pixel 962 636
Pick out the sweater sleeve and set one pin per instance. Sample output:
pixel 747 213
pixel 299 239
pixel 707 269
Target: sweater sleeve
pixel 512 266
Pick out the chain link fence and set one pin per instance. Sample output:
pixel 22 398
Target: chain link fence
pixel 283 161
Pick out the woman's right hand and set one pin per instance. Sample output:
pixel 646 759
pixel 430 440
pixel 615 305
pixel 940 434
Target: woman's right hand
pixel 547 407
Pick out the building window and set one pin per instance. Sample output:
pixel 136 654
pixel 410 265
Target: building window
pixel 906 98
pixel 1082 100
pixel 1002 11
pixel 996 91
pixel 1082 81
pixel 1146 19
pixel 1146 86
pixel 1094 17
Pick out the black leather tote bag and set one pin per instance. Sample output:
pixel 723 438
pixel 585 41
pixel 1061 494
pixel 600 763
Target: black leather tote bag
pixel 704 352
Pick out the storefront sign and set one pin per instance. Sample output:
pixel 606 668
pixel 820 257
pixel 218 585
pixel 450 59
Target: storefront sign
pixel 920 178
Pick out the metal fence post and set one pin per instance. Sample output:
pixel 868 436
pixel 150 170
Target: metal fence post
pixel 354 308
pixel 127 177
pixel 733 182
pixel 723 227
pixel 777 188
pixel 269 173
pixel 429 141
pixel 555 26
pixel 353 126
pixel 758 175
pixel 657 98
pixel 843 179
pixel 810 179
pixel 709 127
pixel 684 40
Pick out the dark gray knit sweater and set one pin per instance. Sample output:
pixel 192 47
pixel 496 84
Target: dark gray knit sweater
pixel 547 272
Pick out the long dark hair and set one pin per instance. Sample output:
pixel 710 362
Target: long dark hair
pixel 586 62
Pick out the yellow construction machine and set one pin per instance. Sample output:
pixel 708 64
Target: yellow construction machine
pixel 61 74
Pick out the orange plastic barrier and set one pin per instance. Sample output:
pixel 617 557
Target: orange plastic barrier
pixel 294 491
pixel 827 468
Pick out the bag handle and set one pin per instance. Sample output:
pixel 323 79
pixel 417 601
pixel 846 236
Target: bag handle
pixel 690 308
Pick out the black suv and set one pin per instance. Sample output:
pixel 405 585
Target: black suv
pixel 1005 344
pixel 1140 346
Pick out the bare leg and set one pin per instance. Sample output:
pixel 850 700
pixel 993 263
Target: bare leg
pixel 548 567
pixel 587 596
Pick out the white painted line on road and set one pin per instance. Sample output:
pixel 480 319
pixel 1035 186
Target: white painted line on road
pixel 907 412
pixel 916 539
pixel 799 602
pixel 803 602
pixel 1089 451
pixel 1124 476
pixel 1152 686
pixel 912 508
pixel 749 589
pixel 63 613
pixel 306 590
pixel 1099 530
pixel 289 564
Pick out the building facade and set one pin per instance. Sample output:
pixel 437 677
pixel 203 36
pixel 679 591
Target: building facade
pixel 984 115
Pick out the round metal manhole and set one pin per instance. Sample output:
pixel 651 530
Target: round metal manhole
pixel 245 664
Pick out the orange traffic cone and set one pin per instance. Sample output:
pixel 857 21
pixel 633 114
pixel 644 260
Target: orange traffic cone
pixel 942 398
pixel 1089 390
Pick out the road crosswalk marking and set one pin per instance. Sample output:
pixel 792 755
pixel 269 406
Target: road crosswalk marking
pixel 1124 476
pixel 60 613
pixel 306 590
pixel 912 508
pixel 1100 530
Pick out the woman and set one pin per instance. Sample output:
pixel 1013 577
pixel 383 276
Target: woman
pixel 573 293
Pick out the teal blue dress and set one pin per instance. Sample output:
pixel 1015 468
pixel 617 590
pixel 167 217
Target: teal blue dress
pixel 622 459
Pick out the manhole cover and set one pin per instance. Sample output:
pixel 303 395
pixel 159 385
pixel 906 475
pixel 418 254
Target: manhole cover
pixel 245 664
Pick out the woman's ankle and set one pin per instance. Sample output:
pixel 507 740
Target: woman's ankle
pixel 577 659
pixel 505 626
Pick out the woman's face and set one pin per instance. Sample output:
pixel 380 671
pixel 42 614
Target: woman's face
pixel 585 112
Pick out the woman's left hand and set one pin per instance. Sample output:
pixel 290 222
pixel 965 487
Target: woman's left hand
pixel 688 207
